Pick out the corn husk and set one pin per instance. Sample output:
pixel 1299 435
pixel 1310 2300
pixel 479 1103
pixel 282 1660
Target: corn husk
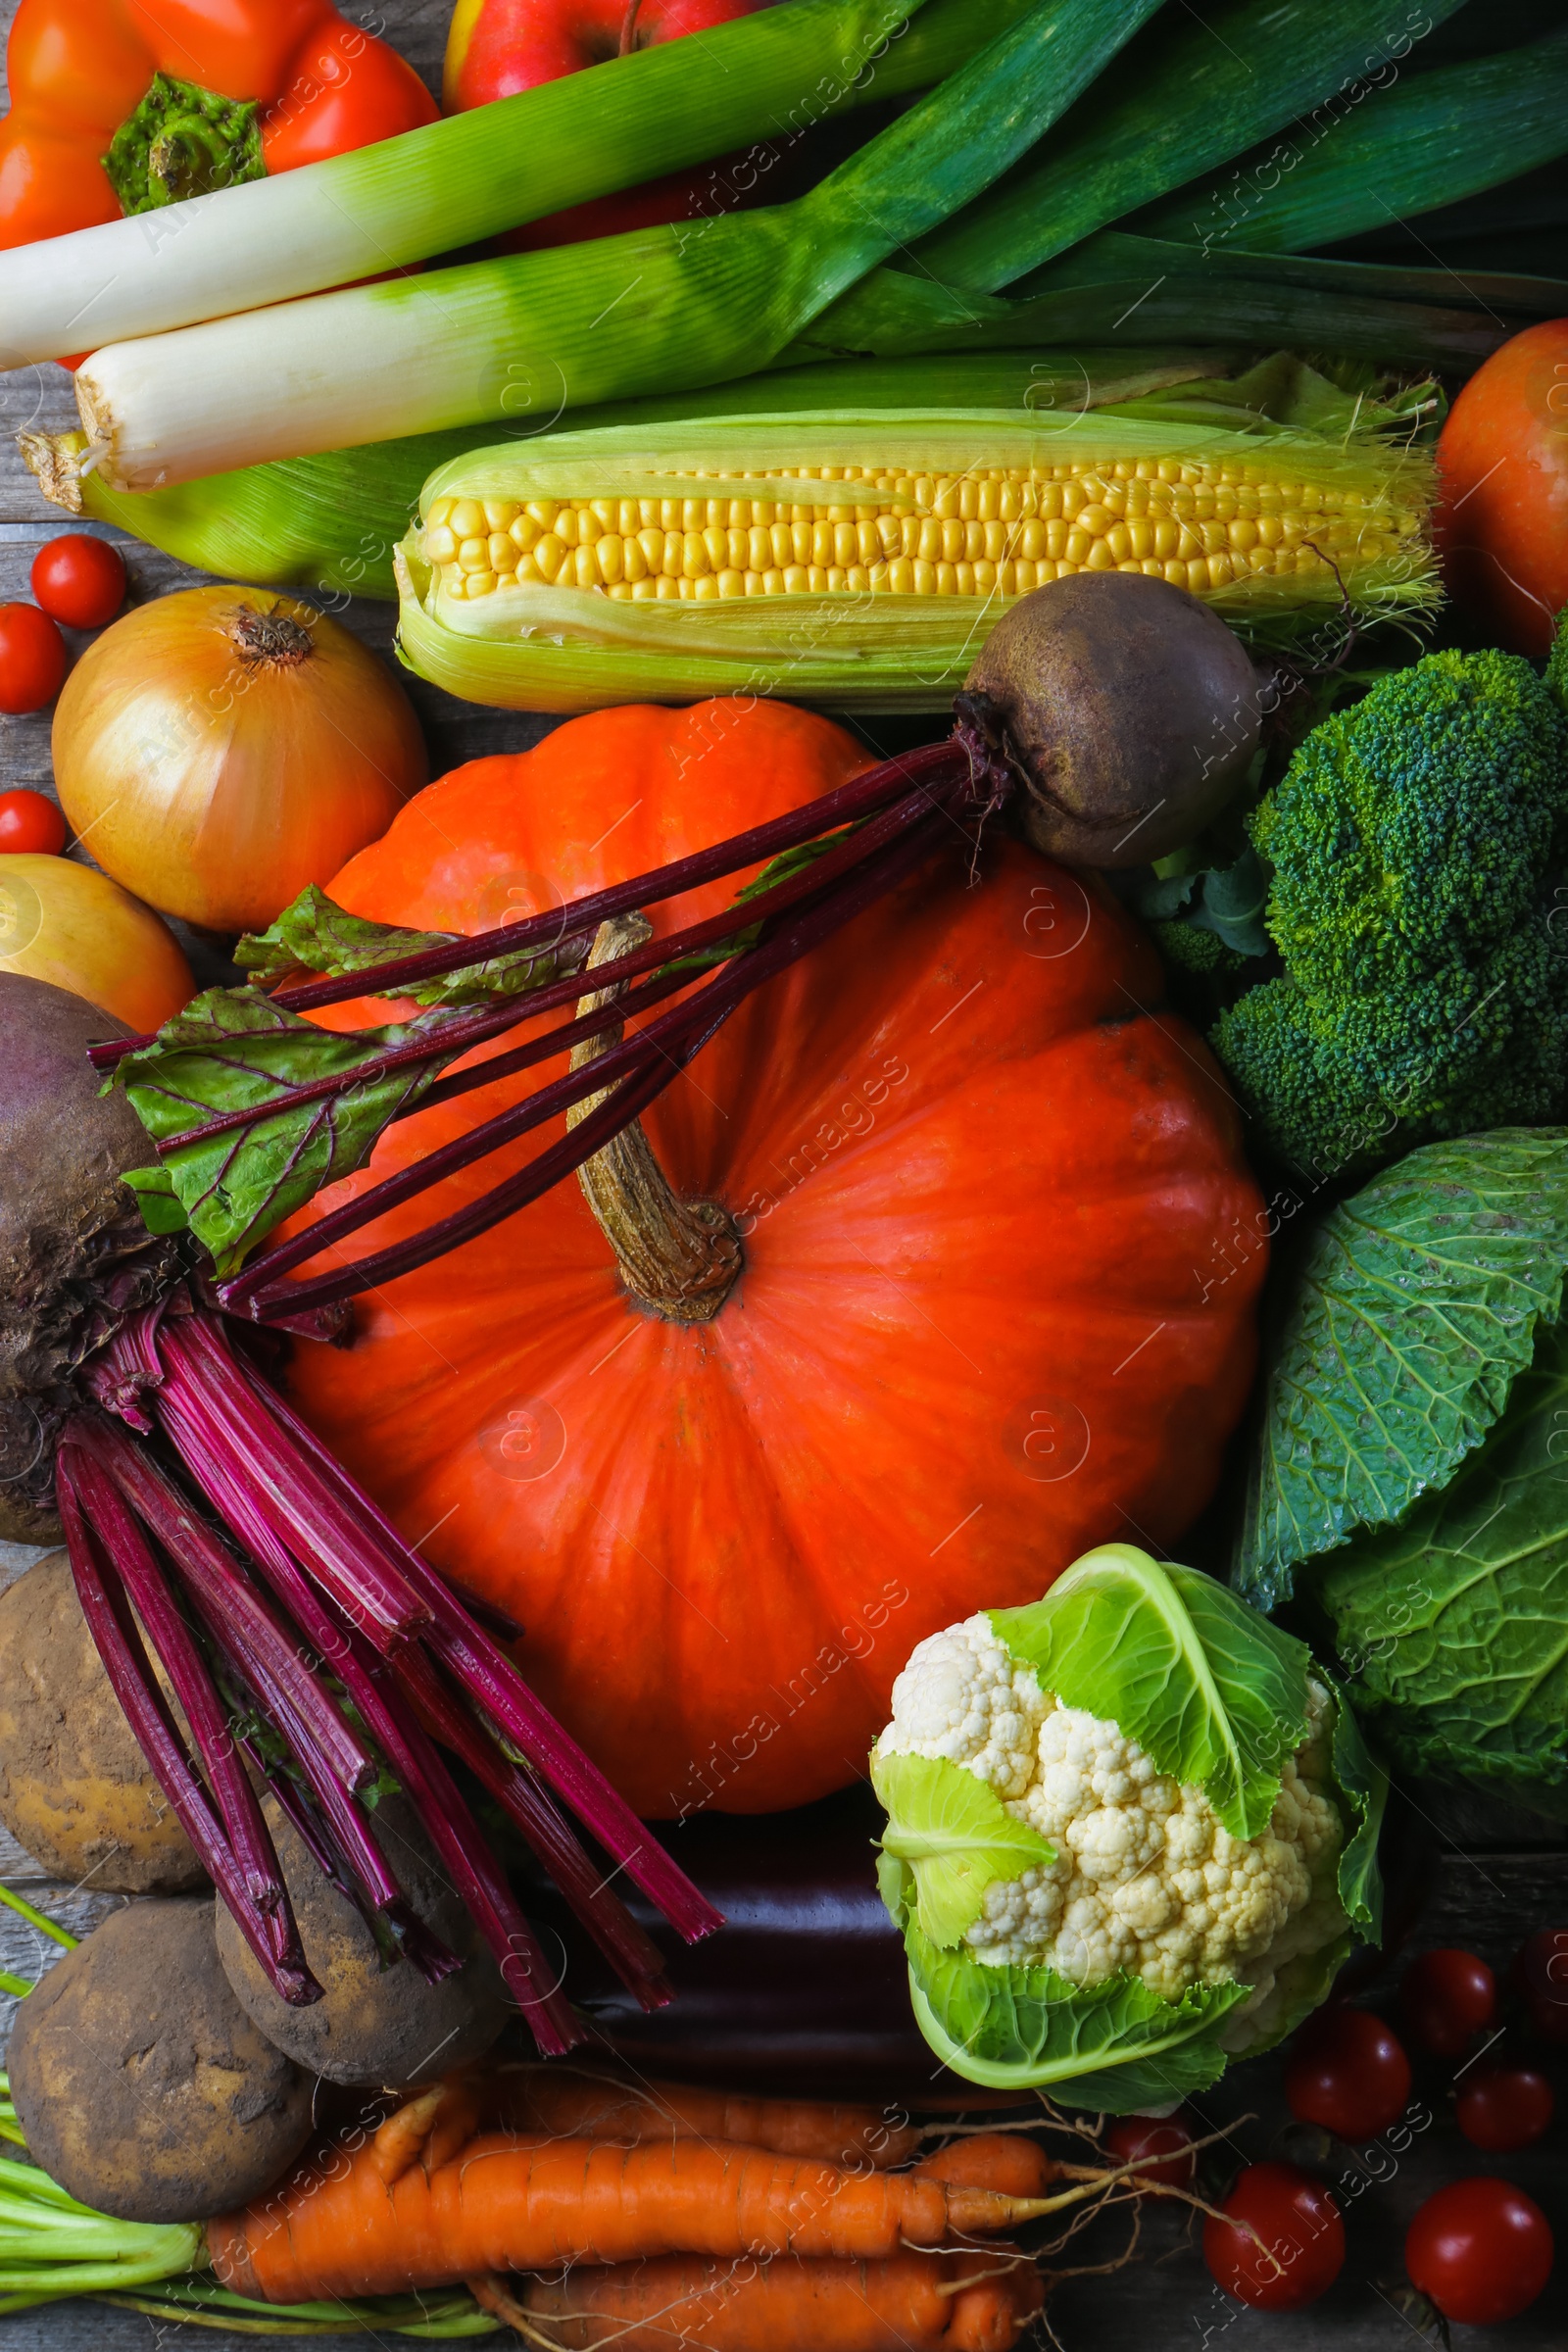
pixel 564 649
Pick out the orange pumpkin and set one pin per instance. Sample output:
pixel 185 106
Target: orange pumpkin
pixel 983 1193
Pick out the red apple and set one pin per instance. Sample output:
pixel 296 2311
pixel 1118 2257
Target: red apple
pixel 498 47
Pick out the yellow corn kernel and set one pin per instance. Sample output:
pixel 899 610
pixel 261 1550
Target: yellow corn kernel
pixel 440 546
pixel 981 533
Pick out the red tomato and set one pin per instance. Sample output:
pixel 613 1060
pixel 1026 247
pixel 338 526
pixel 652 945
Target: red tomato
pixel 1504 2107
pixel 1480 2250
pixel 80 580
pixel 1131 2136
pixel 1348 2073
pixel 1448 1997
pixel 31 822
pixel 1298 2223
pixel 1543 1971
pixel 1502 459
pixel 32 658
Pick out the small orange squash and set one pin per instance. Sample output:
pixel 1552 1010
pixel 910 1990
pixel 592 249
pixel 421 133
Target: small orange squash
pixel 981 1187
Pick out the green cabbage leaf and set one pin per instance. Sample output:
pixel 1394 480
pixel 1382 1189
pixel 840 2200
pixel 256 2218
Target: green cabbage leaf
pixel 1454 1624
pixel 1413 1310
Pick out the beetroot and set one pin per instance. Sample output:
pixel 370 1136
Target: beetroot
pixel 75 1259
pixel 303 1641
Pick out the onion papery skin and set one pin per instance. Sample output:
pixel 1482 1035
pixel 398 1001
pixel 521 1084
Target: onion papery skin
pixel 64 924
pixel 981 1324
pixel 217 782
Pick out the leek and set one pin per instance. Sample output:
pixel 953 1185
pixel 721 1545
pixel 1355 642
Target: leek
pixel 1432 140
pixel 332 522
pixel 543 333
pixel 1194 90
pixel 555 647
pixel 1117 290
pixel 765 77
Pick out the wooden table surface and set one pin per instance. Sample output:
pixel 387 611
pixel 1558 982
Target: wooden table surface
pixel 1494 1874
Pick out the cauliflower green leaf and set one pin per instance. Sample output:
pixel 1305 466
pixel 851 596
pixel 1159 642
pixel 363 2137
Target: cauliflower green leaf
pixel 1115 2047
pixel 1416 1308
pixel 1210 1690
pixel 955 1835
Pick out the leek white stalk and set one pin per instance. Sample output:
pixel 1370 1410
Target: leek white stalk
pixel 523 340
pixel 453 183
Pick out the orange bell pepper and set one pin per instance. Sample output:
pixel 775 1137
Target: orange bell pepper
pixel 124 106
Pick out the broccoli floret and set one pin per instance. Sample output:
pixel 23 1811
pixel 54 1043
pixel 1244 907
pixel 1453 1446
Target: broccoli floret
pixel 1194 950
pixel 1417 842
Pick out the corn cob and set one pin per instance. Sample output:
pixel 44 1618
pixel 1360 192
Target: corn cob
pixel 992 531
pixel 596 567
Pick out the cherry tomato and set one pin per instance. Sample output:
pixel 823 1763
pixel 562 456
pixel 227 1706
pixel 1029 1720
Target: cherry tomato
pixel 80 580
pixel 32 658
pixel 1446 1999
pixel 1348 2073
pixel 31 822
pixel 1543 1971
pixel 1480 2250
pixel 1504 2107
pixel 1298 2223
pixel 1131 2136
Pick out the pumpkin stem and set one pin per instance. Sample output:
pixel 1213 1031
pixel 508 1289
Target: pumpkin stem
pixel 679 1258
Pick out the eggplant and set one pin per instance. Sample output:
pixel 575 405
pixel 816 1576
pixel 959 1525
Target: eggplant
pixel 803 1990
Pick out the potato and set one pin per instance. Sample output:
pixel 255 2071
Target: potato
pixel 375 2025
pixel 75 1788
pixel 141 2084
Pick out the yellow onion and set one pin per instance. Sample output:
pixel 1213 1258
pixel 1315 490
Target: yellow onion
pixel 222 748
pixel 65 924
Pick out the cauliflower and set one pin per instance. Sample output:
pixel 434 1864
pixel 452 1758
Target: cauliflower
pixel 1148 1882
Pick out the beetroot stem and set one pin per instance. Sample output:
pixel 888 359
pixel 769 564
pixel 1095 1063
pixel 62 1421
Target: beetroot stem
pixel 934 766
pixel 646 1063
pixel 476 1876
pixel 459 1037
pixel 236 1613
pixel 373 1595
pixel 632 1953
pixel 225 1827
pixel 494 1683
pixel 215 1463
pixel 221 1466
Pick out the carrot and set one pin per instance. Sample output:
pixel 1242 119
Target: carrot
pixel 509 2202
pixel 784 2306
pixel 1005 2161
pixel 570 2101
